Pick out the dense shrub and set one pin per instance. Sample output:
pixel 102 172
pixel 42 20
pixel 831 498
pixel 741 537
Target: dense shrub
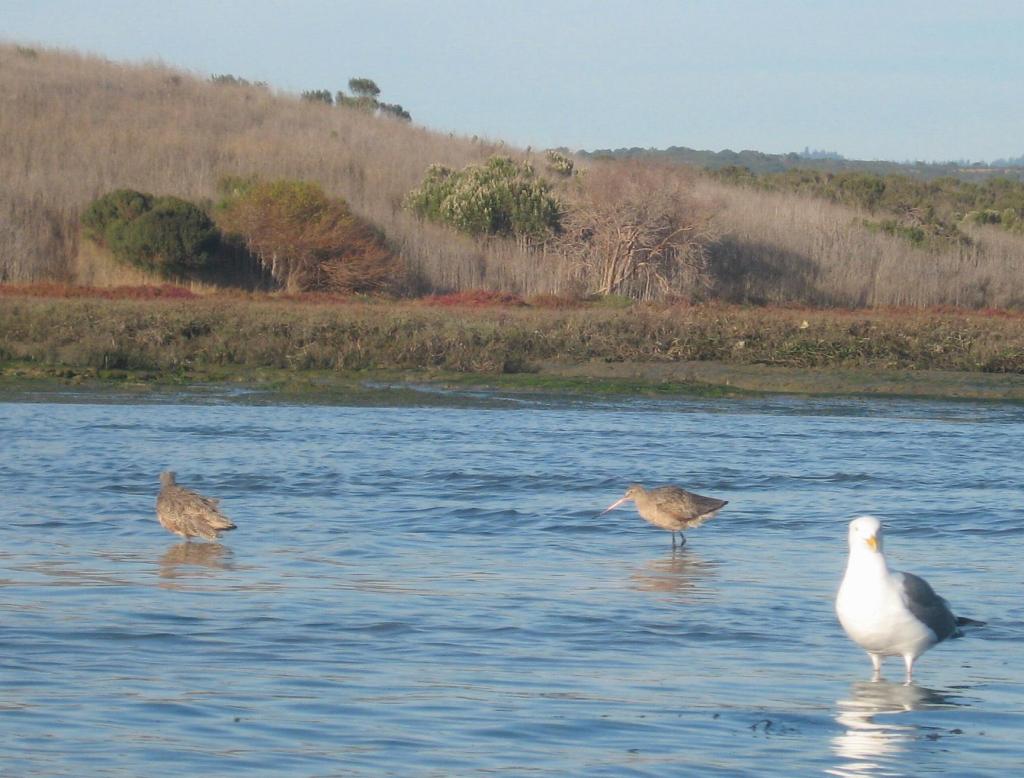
pixel 500 197
pixel 559 164
pixel 121 205
pixel 304 239
pixel 171 238
pixel 167 235
pixel 318 96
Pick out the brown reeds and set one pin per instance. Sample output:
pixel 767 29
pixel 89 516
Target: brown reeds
pixel 777 248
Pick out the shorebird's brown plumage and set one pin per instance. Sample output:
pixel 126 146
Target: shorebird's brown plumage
pixel 670 507
pixel 189 513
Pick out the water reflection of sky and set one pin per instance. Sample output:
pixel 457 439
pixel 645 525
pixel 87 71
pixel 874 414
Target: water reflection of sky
pixel 428 589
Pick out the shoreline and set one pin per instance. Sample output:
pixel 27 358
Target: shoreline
pixel 706 379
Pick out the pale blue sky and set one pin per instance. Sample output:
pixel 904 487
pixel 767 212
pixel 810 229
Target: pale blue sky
pixel 874 79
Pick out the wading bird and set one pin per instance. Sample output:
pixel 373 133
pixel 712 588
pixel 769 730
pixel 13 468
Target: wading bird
pixel 888 613
pixel 670 507
pixel 188 513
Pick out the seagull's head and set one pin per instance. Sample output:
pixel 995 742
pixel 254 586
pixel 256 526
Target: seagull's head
pixel 631 494
pixel 866 532
pixel 167 478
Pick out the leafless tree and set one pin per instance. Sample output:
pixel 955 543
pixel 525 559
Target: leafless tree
pixel 637 230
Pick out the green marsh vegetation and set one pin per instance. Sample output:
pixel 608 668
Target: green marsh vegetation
pixel 170 335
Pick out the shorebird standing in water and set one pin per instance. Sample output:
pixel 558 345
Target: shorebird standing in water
pixel 188 513
pixel 670 507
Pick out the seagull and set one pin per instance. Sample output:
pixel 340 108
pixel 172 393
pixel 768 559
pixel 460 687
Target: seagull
pixel 670 507
pixel 188 513
pixel 888 613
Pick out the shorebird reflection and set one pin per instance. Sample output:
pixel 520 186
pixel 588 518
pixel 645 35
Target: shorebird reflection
pixel 681 573
pixel 176 560
pixel 867 745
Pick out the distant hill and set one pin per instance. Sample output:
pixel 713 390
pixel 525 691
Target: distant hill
pixel 827 161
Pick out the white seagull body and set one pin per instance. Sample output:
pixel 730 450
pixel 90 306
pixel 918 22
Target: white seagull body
pixel 888 613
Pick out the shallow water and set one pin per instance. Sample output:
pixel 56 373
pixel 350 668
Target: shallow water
pixel 424 589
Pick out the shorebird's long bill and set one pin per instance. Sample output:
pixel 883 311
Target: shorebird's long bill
pixel 613 506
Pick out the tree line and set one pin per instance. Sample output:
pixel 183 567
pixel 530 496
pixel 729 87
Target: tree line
pixel 364 97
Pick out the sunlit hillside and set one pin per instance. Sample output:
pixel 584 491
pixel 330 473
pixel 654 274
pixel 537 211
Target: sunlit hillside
pixel 74 127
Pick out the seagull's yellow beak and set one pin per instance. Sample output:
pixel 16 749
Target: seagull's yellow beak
pixel 872 542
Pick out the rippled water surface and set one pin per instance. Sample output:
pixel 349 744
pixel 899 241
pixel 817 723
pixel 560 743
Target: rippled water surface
pixel 424 589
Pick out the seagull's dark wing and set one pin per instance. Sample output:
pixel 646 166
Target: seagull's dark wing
pixel 928 607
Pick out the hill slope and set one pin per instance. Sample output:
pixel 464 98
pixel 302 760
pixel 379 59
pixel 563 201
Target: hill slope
pixel 74 127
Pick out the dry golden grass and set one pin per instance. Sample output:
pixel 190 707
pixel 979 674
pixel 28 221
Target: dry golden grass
pixel 781 247
pixel 73 127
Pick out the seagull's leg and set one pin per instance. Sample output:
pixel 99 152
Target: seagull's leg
pixel 682 540
pixel 876 660
pixel 908 660
pixel 673 539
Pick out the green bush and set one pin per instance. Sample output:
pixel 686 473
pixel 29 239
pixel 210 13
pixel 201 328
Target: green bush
pixel 171 238
pixel 986 216
pixel 318 96
pixel 501 197
pixel 861 190
pixel 394 110
pixel 559 163
pixel 167 235
pixel 121 205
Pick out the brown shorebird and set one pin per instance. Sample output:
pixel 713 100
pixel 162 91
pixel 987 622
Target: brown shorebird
pixel 670 507
pixel 187 513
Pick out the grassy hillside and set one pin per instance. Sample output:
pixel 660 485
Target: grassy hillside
pixel 75 127
pixel 783 247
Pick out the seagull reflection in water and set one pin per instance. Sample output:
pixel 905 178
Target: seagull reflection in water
pixel 179 557
pixel 682 573
pixel 866 745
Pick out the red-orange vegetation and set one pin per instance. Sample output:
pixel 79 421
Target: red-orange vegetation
pixel 308 241
pixel 156 292
pixel 475 298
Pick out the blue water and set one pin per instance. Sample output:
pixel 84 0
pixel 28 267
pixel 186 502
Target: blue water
pixel 423 588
